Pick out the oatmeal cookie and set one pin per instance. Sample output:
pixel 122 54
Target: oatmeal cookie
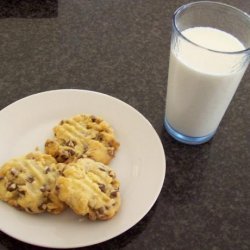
pixel 28 183
pixel 89 188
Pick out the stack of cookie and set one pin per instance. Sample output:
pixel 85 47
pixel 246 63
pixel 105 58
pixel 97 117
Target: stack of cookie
pixel 73 171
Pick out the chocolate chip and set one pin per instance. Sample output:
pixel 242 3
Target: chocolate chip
pixel 30 179
pixel 102 169
pixel 22 192
pixel 99 137
pixel 111 174
pixel 19 207
pixel 71 143
pixel 62 170
pixel 1 178
pixel 114 194
pixel 111 144
pixel 111 152
pixel 43 206
pixel 47 169
pixel 49 200
pixel 100 210
pixel 11 187
pixel 44 188
pixel 85 148
pixel 102 187
pixel 64 121
pixel 71 152
pixel 67 154
pixel 47 143
pixel 14 172
pixel 93 118
pixel 29 209
pixel 62 158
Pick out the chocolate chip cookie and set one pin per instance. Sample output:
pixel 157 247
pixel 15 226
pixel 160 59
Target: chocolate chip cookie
pixel 28 183
pixel 82 136
pixel 89 188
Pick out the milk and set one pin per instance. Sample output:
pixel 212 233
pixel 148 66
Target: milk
pixel 201 83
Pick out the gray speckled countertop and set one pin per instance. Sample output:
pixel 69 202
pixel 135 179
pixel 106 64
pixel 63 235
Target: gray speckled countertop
pixel 121 48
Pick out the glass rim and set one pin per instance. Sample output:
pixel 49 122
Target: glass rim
pixel 185 6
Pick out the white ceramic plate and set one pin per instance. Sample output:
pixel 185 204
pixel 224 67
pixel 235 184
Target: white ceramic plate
pixel 139 164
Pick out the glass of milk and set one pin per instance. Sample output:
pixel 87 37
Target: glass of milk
pixel 210 51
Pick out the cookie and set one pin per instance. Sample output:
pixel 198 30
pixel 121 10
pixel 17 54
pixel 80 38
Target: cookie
pixel 89 188
pixel 82 136
pixel 28 183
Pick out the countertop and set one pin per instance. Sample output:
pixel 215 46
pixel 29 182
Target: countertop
pixel 121 48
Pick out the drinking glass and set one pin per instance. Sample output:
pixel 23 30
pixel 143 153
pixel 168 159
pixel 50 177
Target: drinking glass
pixel 202 80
